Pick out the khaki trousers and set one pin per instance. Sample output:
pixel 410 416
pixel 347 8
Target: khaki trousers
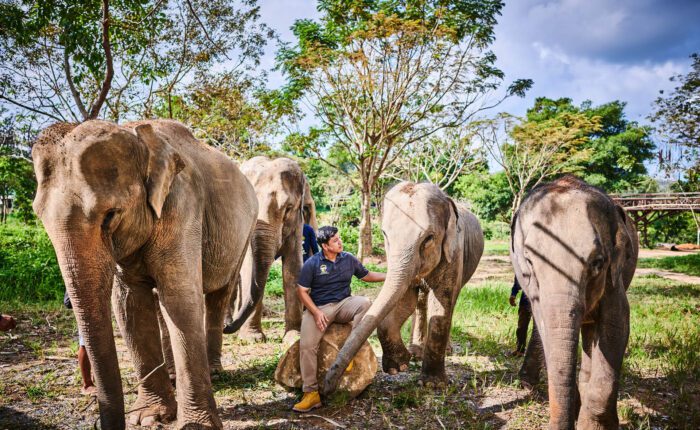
pixel 350 309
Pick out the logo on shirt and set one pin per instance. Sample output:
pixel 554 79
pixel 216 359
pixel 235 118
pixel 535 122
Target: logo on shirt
pixel 324 269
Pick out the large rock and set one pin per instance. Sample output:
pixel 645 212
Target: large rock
pixel 352 383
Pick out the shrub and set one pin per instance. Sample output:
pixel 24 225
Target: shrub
pixel 28 267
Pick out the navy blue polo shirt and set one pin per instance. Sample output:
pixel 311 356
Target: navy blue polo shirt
pixel 330 281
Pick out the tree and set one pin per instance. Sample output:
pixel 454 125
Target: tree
pixel 490 195
pixel 16 172
pixel 677 120
pixel 382 75
pixel 617 149
pixel 230 111
pixel 68 60
pixel 530 151
pixel 439 159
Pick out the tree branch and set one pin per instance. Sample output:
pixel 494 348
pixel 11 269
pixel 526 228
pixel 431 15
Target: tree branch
pixel 107 83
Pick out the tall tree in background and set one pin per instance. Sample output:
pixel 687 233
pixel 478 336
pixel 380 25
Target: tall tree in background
pixel 617 149
pixel 17 183
pixel 382 75
pixel 532 151
pixel 439 159
pixel 677 120
pixel 68 60
pixel 230 111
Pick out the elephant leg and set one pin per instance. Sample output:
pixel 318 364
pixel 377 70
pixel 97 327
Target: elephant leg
pixel 134 308
pixel 182 304
pixel 533 363
pixel 291 266
pixel 608 339
pixel 440 304
pixel 216 304
pixel 419 326
pixel 395 356
pixel 165 340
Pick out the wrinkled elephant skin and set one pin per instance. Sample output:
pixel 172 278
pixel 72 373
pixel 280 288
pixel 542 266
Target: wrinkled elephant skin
pixel 433 247
pixel 145 206
pixel 284 200
pixel 574 252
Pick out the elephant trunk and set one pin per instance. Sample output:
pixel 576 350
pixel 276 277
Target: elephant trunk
pixel 256 267
pixel 88 275
pixel 560 342
pixel 397 281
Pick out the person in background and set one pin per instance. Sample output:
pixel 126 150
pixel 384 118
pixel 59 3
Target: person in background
pixel 88 388
pixel 310 244
pixel 7 322
pixel 324 289
pixel 524 316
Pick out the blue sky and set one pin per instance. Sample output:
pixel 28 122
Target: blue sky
pixel 583 49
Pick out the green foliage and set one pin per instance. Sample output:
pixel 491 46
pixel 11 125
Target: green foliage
pixel 28 267
pixel 688 264
pixel 54 63
pixel 677 119
pixel 489 194
pixel 615 151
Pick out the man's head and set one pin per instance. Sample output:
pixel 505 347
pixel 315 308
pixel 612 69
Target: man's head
pixel 329 240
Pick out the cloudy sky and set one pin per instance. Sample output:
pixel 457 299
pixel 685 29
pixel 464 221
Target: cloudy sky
pixel 601 50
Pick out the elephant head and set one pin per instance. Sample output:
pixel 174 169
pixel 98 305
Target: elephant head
pixel 101 189
pixel 420 225
pixel 571 245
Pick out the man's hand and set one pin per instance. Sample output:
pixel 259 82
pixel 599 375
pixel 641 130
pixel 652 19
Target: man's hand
pixel 321 320
pixel 512 300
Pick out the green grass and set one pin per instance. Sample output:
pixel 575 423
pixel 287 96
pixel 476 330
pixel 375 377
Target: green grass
pixel 497 247
pixel 28 268
pixel 688 264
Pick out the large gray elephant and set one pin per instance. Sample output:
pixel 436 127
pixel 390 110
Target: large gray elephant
pixel 284 199
pixel 574 252
pixel 148 206
pixel 431 244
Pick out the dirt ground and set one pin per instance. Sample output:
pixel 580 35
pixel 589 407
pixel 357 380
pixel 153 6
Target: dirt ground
pixel 40 383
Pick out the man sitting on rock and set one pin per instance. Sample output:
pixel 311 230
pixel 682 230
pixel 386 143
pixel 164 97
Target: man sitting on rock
pixel 324 289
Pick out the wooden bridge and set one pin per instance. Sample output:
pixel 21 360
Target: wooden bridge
pixel 647 208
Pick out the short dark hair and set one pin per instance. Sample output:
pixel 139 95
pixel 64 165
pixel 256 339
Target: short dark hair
pixel 325 233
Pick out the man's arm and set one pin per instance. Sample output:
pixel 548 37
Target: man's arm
pixel 319 317
pixel 374 277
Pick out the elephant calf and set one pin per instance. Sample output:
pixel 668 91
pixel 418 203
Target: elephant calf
pixel 431 244
pixel 574 252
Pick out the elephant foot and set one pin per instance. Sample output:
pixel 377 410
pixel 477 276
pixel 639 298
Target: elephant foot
pixel 151 413
pixel 416 351
pixel 215 367
pixel 252 336
pixel 215 424
pixel 290 337
pixel 396 362
pixel 433 381
pixel 588 422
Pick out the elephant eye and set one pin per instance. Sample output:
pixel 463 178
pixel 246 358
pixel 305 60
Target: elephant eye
pixel 428 240
pixel 109 216
pixel 597 264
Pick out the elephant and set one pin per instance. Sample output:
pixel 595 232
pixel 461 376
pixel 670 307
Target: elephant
pixel 285 203
pixel 574 252
pixel 433 246
pixel 138 206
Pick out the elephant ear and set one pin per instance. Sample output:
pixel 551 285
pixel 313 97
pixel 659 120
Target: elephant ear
pixel 164 163
pixel 450 242
pixel 621 270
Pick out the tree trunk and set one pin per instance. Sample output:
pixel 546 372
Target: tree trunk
pixel 365 240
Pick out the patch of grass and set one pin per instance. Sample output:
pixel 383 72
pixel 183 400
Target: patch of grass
pixel 688 264
pixel 496 247
pixel 28 267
